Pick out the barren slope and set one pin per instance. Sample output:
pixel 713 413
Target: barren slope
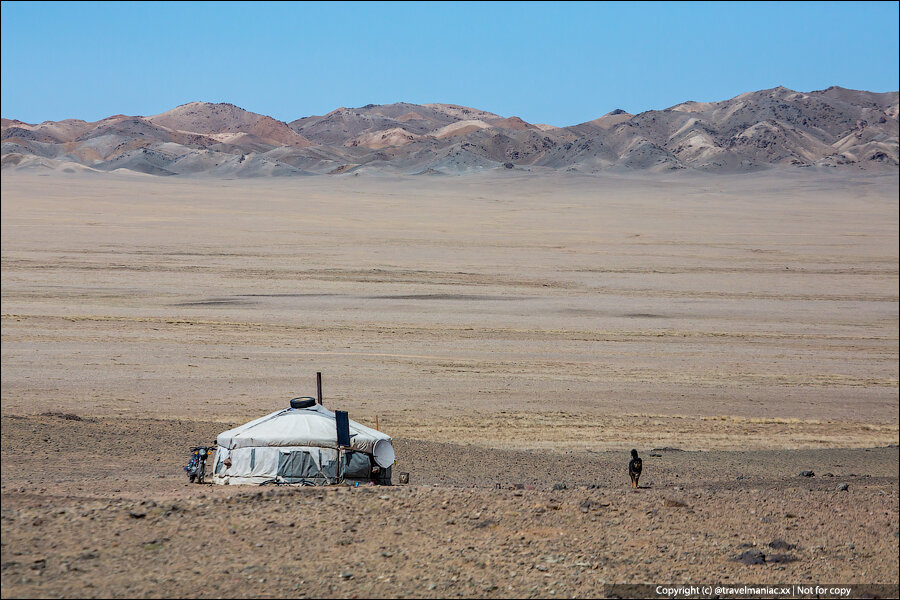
pixel 780 128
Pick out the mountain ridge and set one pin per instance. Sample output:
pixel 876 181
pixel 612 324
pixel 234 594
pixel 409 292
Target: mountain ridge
pixel 774 128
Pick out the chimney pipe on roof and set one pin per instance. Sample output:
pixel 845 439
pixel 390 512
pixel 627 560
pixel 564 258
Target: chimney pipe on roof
pixel 319 388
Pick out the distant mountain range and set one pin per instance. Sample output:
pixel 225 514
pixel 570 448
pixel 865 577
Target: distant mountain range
pixel 833 128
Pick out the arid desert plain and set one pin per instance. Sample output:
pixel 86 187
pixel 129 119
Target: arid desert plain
pixel 514 331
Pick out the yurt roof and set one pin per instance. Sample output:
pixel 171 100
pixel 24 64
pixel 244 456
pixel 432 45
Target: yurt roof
pixel 313 426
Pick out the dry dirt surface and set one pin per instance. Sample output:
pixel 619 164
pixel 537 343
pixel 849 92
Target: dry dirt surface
pixel 113 517
pixel 514 334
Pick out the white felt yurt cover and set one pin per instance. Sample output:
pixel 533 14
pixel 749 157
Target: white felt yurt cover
pixel 259 450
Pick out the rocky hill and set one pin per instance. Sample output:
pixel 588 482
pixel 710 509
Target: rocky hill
pixel 832 128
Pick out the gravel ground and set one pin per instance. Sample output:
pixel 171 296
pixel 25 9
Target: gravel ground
pixel 116 517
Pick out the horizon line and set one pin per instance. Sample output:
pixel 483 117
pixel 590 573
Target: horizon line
pixel 372 105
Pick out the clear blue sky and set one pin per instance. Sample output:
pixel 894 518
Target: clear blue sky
pixel 547 63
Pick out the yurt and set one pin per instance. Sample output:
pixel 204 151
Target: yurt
pixel 304 444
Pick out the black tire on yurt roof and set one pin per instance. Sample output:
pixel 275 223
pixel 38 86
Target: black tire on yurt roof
pixel 303 402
